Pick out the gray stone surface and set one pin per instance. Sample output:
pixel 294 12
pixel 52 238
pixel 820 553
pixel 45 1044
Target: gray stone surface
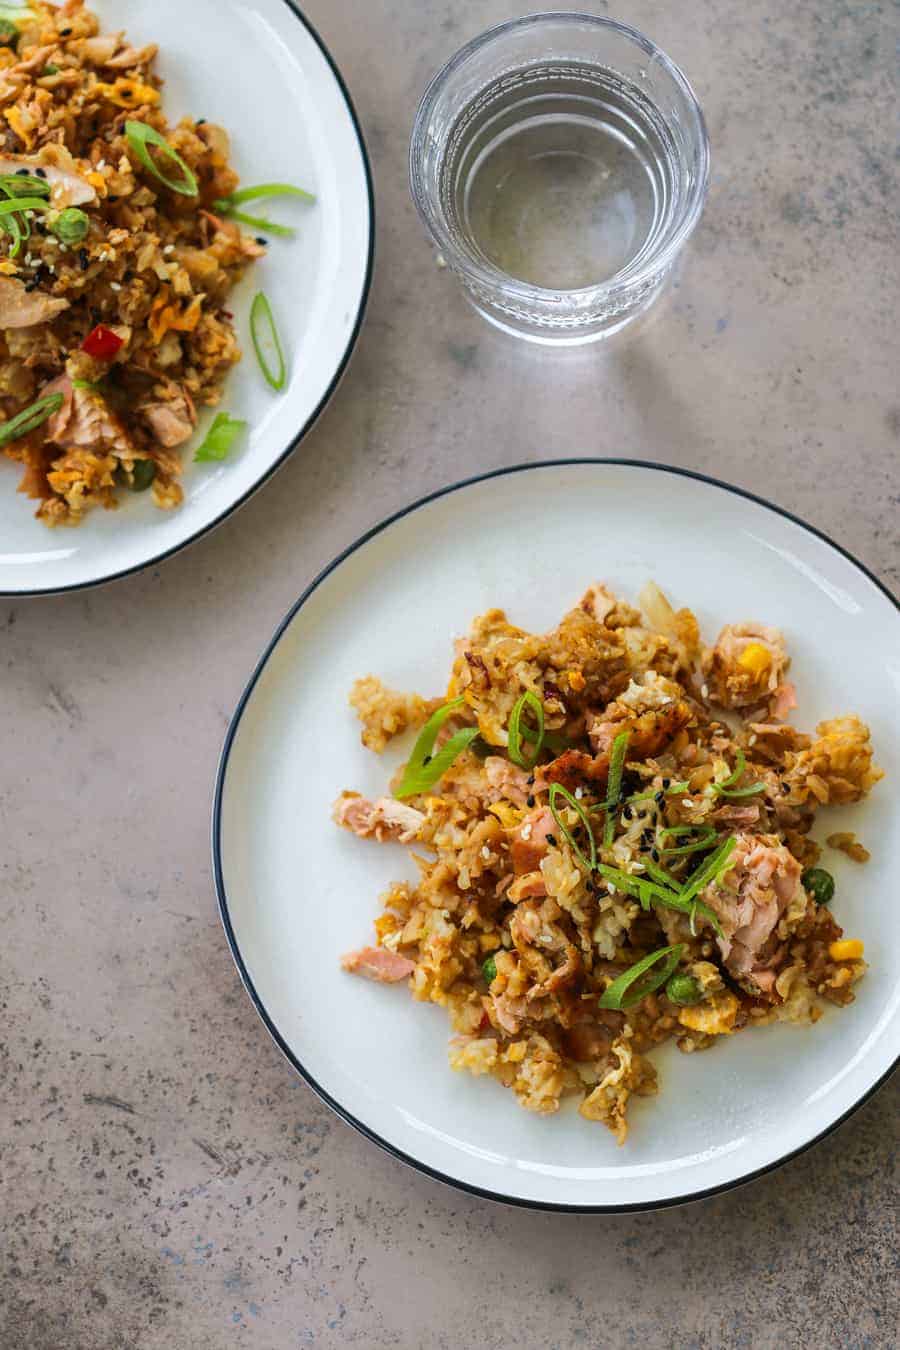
pixel 167 1184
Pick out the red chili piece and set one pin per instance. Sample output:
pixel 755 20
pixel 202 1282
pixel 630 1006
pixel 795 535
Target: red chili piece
pixel 102 343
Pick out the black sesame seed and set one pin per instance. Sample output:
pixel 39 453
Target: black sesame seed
pixel 667 782
pixel 531 801
pixel 41 173
pixel 111 199
pixel 654 854
pixel 200 122
pixel 84 259
pixel 427 759
pixel 263 242
pixel 31 286
pixel 22 173
pixel 65 32
pixel 659 798
pixel 530 779
pixel 785 789
pixel 551 839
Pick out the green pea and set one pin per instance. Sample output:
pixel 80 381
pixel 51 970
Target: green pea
pixel 684 989
pixel 71 226
pixel 819 883
pixel 489 970
pixel 142 475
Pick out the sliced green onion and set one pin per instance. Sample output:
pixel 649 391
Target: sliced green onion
pixel 11 226
pixel 518 730
pixel 30 418
pixel 651 892
pixel 71 225
pixel 661 875
pixel 140 136
pixel 705 835
pixel 630 987
pixel 671 791
pixel 727 787
pixel 260 223
pixel 489 970
pixel 252 194
pixel 715 867
pixel 614 785
pixel 90 385
pixel 424 769
pixel 142 474
pixel 266 341
pixel 556 791
pixel 16 204
pixel 220 438
pixel 23 184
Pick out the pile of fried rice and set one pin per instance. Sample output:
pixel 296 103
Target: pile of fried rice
pixel 156 268
pixel 519 939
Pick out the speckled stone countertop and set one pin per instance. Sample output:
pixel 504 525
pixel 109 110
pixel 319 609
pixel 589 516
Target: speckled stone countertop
pixel 167 1183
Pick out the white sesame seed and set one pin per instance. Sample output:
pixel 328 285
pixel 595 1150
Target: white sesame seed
pixel 525 832
pixel 169 248
pixel 704 690
pixel 579 793
pixel 611 888
pixel 485 852
pixel 114 286
pixel 101 166
pixel 752 739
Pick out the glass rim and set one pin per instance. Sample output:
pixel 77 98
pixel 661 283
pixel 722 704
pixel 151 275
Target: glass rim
pixel 493 277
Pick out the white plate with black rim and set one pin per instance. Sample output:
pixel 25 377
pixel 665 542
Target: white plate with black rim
pixel 295 892
pixel 262 72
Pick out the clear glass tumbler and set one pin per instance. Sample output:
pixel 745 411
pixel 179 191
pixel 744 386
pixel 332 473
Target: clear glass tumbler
pixel 560 162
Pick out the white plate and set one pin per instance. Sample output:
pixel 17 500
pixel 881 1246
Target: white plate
pixel 295 892
pixel 256 67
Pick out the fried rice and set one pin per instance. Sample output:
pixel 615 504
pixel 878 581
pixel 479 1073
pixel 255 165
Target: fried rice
pixel 536 902
pixel 155 268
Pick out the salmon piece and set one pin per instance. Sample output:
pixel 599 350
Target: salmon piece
pixel 377 963
pixel 26 309
pixel 531 886
pixel 529 845
pixel 85 421
pixel 173 421
pixel 383 819
pixel 783 700
pixel 762 881
pixel 507 780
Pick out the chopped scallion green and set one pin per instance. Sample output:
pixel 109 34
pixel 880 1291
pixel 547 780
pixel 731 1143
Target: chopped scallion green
pixel 638 981
pixel 220 438
pixel 519 731
pixel 557 791
pixel 424 768
pixel 266 342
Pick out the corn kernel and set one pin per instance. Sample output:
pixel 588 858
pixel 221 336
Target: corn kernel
pixel 846 949
pixel 576 681
pixel 755 658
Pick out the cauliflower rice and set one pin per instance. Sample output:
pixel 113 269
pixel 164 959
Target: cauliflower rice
pixel 514 931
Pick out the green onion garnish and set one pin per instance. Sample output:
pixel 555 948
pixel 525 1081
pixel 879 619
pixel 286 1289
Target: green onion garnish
pixel 705 835
pixel 556 791
pixel 15 204
pixel 651 892
pixel 24 185
pixel 227 206
pixel 671 791
pixel 727 786
pixel 630 988
pixel 266 341
pixel 661 875
pixel 140 136
pixel 30 418
pixel 519 730
pixel 713 869
pixel 614 785
pixel 220 438
pixel 252 194
pixel 71 225
pixel 424 769
pixel 91 386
